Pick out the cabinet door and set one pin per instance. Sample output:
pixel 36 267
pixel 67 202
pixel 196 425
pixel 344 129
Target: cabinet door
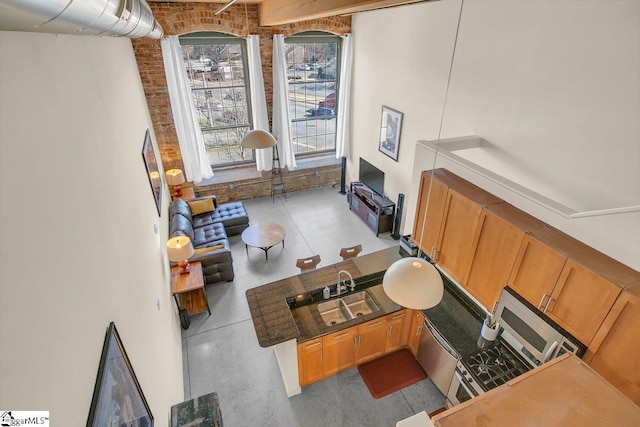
pixel 460 221
pixel 580 301
pixel 536 271
pixel 370 340
pixel 338 351
pixel 415 331
pixel 397 331
pixel 615 351
pixel 428 240
pixel 495 248
pixel 310 361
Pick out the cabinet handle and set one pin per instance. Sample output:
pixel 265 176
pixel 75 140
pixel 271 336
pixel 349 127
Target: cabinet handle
pixel 355 341
pixel 313 345
pixel 541 301
pixel 341 336
pixel 434 254
pixel 374 324
pixel 389 330
pixel 546 307
pixel 321 353
pixel 418 330
pixel 398 316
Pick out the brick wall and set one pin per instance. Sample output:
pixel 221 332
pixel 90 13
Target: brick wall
pixel 184 18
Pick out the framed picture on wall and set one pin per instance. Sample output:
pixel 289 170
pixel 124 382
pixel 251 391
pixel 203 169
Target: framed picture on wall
pixel 153 172
pixel 117 398
pixel 390 132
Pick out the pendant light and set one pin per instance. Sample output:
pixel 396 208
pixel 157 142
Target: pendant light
pixel 414 282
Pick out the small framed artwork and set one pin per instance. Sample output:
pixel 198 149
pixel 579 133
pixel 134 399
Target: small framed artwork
pixel 117 397
pixel 390 132
pixel 151 163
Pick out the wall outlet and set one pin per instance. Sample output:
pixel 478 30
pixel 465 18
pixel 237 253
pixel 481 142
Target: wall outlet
pixel 231 187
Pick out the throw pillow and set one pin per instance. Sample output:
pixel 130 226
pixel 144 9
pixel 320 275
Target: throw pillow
pixel 201 206
pixel 205 250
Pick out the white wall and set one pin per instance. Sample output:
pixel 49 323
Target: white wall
pixel 554 86
pixel 78 246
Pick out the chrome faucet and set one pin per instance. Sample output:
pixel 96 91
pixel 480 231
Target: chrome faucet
pixel 342 286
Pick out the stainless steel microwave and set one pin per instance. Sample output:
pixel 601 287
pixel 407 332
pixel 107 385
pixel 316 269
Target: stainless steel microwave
pixel 530 332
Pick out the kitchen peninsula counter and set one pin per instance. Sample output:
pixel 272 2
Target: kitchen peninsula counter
pixel 274 321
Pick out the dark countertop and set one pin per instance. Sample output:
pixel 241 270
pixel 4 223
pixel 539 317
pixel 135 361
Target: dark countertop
pixel 457 319
pixel 276 323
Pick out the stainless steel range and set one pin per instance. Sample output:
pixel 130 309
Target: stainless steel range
pixel 528 339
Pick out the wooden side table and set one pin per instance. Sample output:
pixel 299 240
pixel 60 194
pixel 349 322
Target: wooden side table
pixel 188 289
pixel 187 194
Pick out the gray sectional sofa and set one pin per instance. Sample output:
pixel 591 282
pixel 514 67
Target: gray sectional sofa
pixel 209 231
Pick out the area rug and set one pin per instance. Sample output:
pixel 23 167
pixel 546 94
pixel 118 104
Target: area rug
pixel 391 373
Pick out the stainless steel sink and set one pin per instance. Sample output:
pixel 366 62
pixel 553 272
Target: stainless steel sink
pixel 334 312
pixel 360 303
pixel 349 307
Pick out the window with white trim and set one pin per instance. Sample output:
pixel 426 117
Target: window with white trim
pixel 217 70
pixel 313 64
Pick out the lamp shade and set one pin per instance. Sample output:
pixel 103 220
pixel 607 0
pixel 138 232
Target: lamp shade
pixel 413 283
pixel 258 138
pixel 179 248
pixel 175 176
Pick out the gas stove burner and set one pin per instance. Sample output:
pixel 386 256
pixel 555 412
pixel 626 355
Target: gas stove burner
pixel 494 366
pixel 483 368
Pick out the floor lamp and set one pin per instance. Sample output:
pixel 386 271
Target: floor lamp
pixel 259 138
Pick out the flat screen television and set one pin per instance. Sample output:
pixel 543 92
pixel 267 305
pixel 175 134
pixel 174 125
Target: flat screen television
pixel 371 176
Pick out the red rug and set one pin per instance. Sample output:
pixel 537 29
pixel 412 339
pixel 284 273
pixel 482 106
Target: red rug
pixel 391 373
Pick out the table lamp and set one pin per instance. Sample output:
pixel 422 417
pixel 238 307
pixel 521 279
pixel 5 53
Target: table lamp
pixel 175 177
pixel 180 249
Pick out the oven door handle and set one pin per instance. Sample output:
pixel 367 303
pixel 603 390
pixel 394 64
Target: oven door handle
pixel 463 383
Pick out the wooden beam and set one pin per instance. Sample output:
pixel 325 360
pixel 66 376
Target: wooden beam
pixel 279 12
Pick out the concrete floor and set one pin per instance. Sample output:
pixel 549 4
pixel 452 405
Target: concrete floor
pixel 221 351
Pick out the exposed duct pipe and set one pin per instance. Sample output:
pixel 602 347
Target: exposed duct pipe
pixel 126 18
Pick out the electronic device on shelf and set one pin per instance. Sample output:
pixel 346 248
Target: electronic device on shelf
pixel 371 176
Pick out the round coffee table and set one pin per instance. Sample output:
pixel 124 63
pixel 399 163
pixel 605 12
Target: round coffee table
pixel 263 236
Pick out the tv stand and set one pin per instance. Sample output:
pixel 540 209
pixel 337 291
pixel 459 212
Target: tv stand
pixel 375 210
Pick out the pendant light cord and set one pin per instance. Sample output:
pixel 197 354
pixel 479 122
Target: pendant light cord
pixel 432 255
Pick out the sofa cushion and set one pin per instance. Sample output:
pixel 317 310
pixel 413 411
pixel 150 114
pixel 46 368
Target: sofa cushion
pixel 179 206
pixel 181 226
pixel 231 214
pixel 209 235
pixel 201 206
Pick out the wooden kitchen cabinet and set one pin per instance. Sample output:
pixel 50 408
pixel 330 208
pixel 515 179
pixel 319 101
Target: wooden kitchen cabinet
pixel 451 219
pixel 310 361
pixel 415 331
pixel 338 351
pixel 499 235
pixel 536 270
pixel 326 356
pixel 580 301
pixel 397 325
pixel 370 340
pixel 614 352
pixel 461 218
pixel 427 241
